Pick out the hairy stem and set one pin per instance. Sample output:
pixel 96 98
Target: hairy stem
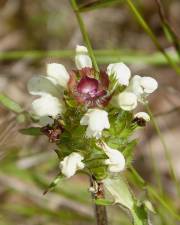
pixel 100 210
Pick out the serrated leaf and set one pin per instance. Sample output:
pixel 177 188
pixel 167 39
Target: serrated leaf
pixel 10 104
pixel 104 202
pixel 33 131
pixel 123 196
pixel 128 151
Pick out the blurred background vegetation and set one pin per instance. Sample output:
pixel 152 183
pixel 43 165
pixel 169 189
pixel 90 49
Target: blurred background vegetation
pixel 33 33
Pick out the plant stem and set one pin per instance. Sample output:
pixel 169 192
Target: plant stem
pixel 100 210
pixel 84 33
pixel 166 150
pixel 148 30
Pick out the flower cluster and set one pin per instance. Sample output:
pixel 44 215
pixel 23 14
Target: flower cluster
pixel 89 113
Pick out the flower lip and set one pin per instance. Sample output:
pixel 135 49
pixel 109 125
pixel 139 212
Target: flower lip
pixel 88 85
pixel 88 90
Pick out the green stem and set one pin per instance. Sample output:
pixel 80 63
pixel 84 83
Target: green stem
pixel 166 149
pixel 84 33
pixel 153 192
pixel 156 170
pixel 148 30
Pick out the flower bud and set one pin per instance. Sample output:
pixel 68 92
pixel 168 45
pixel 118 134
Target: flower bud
pixel 82 58
pixel 71 164
pixel 142 115
pixel 58 74
pixel 97 121
pixel 141 118
pixel 121 72
pixel 142 87
pixel 126 101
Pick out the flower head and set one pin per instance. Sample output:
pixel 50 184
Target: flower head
pixel 97 121
pixel 71 164
pixel 87 89
pixel 116 161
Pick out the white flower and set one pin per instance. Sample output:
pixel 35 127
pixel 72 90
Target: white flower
pixel 125 100
pixel 58 74
pixel 82 58
pixel 116 161
pixel 142 115
pixel 97 121
pixel 71 164
pixel 142 86
pixel 47 105
pixel 50 89
pixel 121 72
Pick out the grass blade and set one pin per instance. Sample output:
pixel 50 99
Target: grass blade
pixel 10 104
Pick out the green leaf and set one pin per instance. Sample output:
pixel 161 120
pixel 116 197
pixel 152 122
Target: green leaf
pixel 54 183
pixel 104 202
pixel 33 131
pixel 122 195
pixel 128 151
pixel 10 104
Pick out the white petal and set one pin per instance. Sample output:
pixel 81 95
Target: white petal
pixel 97 121
pixel 116 159
pixel 127 101
pixel 142 115
pixel 48 105
pixel 149 84
pixel 93 133
pixel 121 72
pixel 82 58
pixel 71 164
pixel 46 120
pixel 59 74
pixel 41 85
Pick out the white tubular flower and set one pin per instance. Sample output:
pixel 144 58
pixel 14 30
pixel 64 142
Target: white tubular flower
pixel 50 88
pixel 125 100
pixel 142 87
pixel 48 105
pixel 82 58
pixel 116 161
pixel 58 74
pixel 97 121
pixel 121 72
pixel 71 164
pixel 142 115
